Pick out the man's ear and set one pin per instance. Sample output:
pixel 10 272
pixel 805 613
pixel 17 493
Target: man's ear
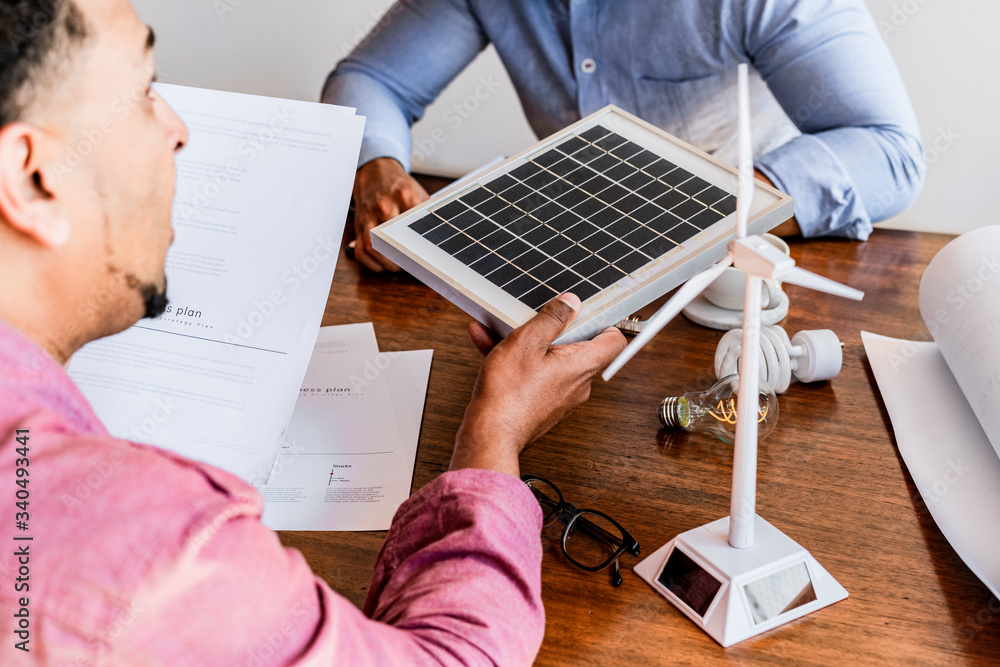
pixel 28 200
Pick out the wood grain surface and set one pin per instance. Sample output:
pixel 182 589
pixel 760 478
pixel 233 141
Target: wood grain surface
pixel 830 476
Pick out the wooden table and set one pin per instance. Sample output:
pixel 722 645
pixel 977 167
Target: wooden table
pixel 829 476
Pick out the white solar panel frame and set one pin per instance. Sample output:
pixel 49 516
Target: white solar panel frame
pixel 502 313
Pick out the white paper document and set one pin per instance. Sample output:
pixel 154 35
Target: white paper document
pixel 263 188
pixel 348 456
pixel 943 397
pixel 347 339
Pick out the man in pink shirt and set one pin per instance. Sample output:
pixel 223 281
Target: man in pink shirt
pixel 118 553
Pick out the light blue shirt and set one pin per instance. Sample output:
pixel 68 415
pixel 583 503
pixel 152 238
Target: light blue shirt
pixel 833 124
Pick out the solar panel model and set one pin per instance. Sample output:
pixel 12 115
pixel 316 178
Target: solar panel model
pixel 611 208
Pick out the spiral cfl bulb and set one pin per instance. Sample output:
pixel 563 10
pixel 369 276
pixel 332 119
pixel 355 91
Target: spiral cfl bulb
pixel 714 411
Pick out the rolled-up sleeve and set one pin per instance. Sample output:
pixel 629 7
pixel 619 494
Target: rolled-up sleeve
pixel 860 159
pixel 417 48
pixel 458 582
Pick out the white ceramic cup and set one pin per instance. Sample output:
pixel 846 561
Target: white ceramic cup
pixel 727 290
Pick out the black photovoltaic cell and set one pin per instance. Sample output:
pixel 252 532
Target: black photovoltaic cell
pixel 646 212
pixel 640 236
pixel 539 235
pixel 491 206
pixel 521 285
pixel 626 150
pixel 610 142
pixel 658 247
pixel 595 133
pixel 440 234
pixel 480 230
pixel 682 232
pixel 727 205
pixel 563 281
pixel 456 243
pixel 555 245
pixel 506 215
pixel 572 255
pixel 664 223
pixel 688 209
pixel 623 227
pixel 705 219
pixel 530 260
pixel 466 220
pixel 425 224
pixel 577 217
pixel 472 253
pixel 585 290
pixel 607 277
pixel 659 168
pixel 675 177
pixel 670 199
pixel 693 186
pixel 496 186
pixel 711 195
pixel 496 240
pixel 515 193
pixel 487 264
pixel 538 297
pixel 475 197
pixel 449 211
pixel 504 274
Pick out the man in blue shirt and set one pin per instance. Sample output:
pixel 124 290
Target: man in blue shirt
pixel 833 124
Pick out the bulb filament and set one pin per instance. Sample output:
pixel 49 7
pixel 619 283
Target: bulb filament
pixel 725 412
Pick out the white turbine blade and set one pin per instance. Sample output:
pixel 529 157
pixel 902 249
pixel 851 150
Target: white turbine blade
pixel 744 198
pixel 669 311
pixel 811 280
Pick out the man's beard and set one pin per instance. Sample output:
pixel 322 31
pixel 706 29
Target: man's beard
pixel 154 299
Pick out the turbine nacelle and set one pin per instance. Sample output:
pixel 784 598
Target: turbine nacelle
pixel 754 256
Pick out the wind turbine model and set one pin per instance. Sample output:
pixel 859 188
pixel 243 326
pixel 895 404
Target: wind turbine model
pixel 740 576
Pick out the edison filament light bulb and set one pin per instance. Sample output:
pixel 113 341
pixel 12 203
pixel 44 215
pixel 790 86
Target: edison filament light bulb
pixel 714 411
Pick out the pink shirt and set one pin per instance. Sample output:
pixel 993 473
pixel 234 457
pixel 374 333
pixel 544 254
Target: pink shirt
pixel 140 557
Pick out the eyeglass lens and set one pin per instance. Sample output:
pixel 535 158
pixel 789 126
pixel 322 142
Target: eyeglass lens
pixel 592 540
pixel 548 497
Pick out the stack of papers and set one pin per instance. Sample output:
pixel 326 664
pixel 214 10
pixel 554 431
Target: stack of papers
pixel 943 397
pixel 347 458
pixel 263 188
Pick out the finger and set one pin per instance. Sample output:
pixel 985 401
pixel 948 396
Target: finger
pixel 482 338
pixel 411 198
pixel 386 263
pixel 386 210
pixel 375 260
pixel 550 321
pixel 604 348
pixel 360 255
pixel 365 260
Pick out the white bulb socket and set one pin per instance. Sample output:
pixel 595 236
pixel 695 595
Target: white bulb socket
pixel 811 356
pixel 822 357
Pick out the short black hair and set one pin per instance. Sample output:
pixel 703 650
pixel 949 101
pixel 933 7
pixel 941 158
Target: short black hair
pixel 35 36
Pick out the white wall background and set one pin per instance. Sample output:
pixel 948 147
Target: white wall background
pixel 286 48
pixel 948 52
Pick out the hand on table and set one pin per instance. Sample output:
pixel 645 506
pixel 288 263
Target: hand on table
pixel 382 190
pixel 527 385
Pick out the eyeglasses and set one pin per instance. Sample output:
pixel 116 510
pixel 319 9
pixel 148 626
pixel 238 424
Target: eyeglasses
pixel 591 540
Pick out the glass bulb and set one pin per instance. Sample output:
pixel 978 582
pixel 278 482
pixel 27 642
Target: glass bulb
pixel 714 411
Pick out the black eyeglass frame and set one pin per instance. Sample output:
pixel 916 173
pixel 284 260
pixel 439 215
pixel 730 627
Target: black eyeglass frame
pixel 571 516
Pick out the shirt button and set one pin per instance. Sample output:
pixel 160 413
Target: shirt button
pixel 588 65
